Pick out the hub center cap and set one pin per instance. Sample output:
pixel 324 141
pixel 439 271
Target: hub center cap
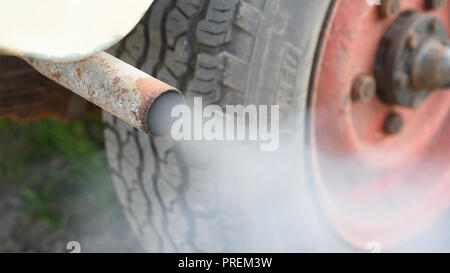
pixel 413 60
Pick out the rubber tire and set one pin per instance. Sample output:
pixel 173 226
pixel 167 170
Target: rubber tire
pixel 228 52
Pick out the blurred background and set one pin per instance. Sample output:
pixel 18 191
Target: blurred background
pixel 55 188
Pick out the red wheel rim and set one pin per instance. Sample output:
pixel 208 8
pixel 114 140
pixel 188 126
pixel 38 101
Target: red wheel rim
pixel 373 186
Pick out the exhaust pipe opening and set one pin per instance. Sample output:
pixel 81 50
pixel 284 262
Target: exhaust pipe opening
pixel 159 119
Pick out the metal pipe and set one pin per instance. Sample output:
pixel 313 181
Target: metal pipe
pixel 119 88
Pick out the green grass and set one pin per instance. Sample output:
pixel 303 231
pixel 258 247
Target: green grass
pixel 59 170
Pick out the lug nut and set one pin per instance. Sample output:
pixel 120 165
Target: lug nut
pixel 435 4
pixel 364 88
pixel 389 8
pixel 393 124
pixel 413 40
pixel 401 80
pixel 433 25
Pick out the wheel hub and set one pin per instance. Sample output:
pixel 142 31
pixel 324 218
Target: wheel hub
pixel 381 166
pixel 413 60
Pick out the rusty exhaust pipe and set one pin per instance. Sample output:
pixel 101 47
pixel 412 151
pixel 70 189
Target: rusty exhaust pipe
pixel 117 87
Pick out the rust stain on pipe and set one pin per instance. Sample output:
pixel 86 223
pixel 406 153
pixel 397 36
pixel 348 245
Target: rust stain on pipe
pixel 117 87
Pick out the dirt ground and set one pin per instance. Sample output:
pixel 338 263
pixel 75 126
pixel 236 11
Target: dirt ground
pixel 55 188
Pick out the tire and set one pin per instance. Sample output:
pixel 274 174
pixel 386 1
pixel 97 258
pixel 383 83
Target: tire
pixel 182 197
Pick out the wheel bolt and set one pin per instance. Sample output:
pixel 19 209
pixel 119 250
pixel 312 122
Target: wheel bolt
pixel 401 80
pixel 393 124
pixel 413 40
pixel 433 25
pixel 435 4
pixel 364 88
pixel 389 8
